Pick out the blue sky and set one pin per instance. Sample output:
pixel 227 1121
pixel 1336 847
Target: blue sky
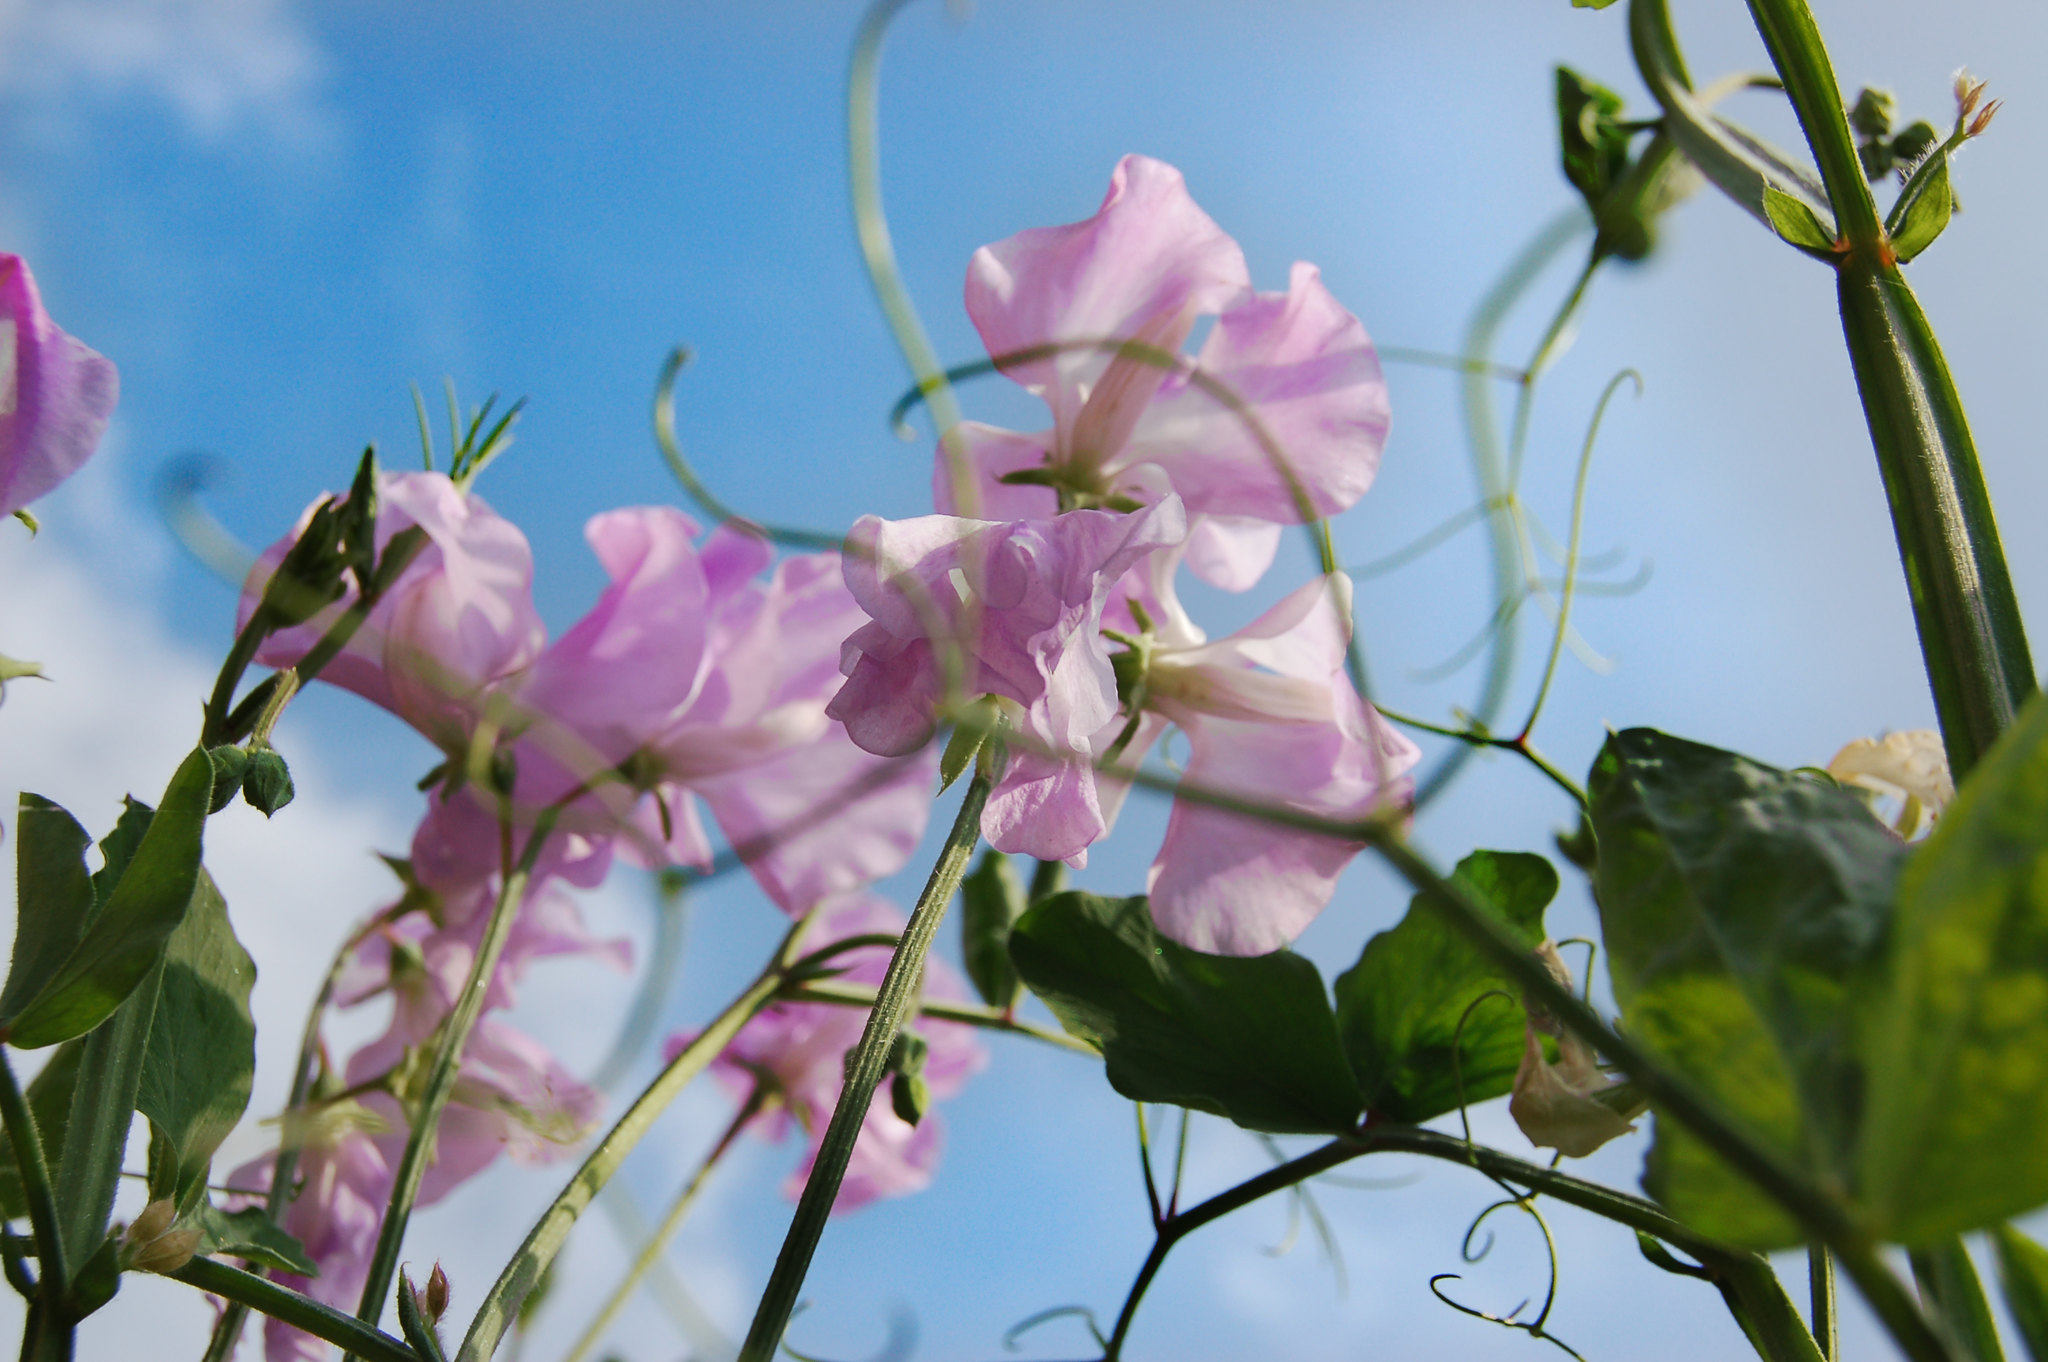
pixel 275 216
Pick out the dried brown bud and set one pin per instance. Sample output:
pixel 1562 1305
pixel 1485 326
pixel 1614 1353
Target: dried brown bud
pixel 434 1300
pixel 1983 119
pixel 152 1245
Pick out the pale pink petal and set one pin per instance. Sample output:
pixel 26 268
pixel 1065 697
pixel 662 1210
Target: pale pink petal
pixel 55 394
pixel 991 453
pixel 1148 253
pixel 1309 374
pixel 1232 552
pixel 1044 807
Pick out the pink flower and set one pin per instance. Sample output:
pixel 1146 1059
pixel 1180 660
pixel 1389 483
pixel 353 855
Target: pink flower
pixel 1271 716
pixel 1021 604
pixel 458 622
pixel 1144 269
pixel 55 394
pixel 345 1184
pixel 692 678
pixel 800 1048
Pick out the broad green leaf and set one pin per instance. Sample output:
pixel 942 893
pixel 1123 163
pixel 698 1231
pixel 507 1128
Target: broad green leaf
pixel 1401 1006
pixel 53 897
pixel 991 901
pixel 1923 210
pixel 1955 1297
pixel 248 1234
pixel 202 1047
pixel 49 1103
pixel 117 848
pixel 1247 1038
pixel 1797 224
pixel 126 937
pixel 1958 1024
pixel 1737 902
pixel 2023 1274
pixel 102 1110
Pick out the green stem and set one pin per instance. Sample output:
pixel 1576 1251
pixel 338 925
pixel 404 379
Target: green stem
pixel 546 1237
pixel 35 1182
pixel 1820 1271
pixel 426 1117
pixel 967 1014
pixel 1794 42
pixel 650 1252
pixel 864 1065
pixel 301 1312
pixel 1971 634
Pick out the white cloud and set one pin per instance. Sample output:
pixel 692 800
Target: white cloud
pixel 217 63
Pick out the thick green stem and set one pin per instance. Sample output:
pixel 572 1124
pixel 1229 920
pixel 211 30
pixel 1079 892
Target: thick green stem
pixel 425 1118
pixel 301 1312
pixel 1794 42
pixel 864 1066
pixel 548 1234
pixel 35 1181
pixel 1968 615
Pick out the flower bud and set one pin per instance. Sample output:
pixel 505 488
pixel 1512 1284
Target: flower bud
pixel 154 1244
pixel 434 1300
pixel 267 784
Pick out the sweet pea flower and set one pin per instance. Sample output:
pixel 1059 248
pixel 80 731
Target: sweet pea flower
pixel 1018 607
pixel 799 1049
pixel 1269 715
pixel 1143 270
pixel 693 680
pixel 457 623
pixel 345 1184
pixel 55 394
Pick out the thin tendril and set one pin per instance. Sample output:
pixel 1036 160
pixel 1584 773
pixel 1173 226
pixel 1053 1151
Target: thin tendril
pixel 1571 571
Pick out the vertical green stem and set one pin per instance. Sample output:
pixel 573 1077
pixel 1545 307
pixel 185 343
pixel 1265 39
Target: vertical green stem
pixel 1971 635
pixel 863 1074
pixel 35 1180
pixel 1820 1270
pixel 426 1117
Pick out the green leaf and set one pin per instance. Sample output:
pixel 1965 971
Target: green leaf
pixel 49 1103
pixel 1958 1024
pixel 202 1048
pixel 102 1110
pixel 94 1284
pixel 1953 1295
pixel 1796 223
pixel 1737 902
pixel 126 937
pixel 1251 1039
pixel 1401 1006
pixel 117 848
pixel 991 901
pixel 248 1234
pixel 53 896
pixel 1925 205
pixel 2023 1274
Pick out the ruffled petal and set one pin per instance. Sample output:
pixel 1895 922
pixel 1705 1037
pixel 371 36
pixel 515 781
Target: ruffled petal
pixel 1305 368
pixel 1148 253
pixel 992 452
pixel 55 394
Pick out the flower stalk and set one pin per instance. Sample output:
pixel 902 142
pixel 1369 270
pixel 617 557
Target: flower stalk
pixel 864 1068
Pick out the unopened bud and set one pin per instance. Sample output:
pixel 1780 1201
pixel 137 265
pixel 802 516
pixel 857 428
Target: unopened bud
pixel 1984 117
pixel 152 1244
pixel 1968 92
pixel 230 764
pixel 908 1097
pixel 434 1300
pixel 267 783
